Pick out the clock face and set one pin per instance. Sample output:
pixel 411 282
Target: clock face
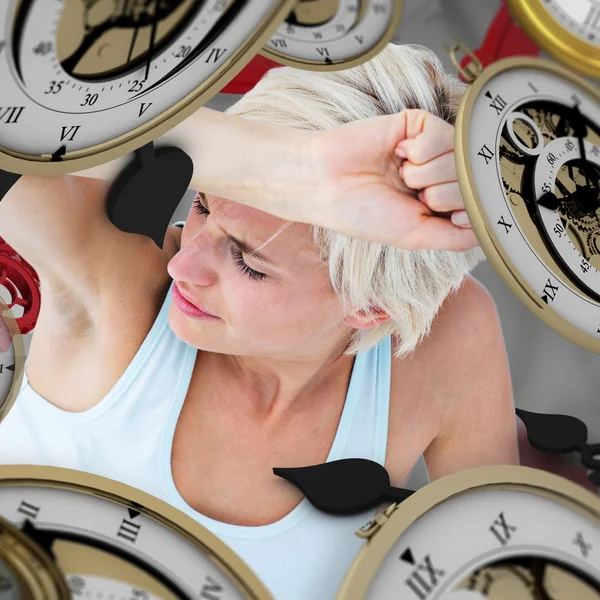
pixel 12 360
pixel 334 34
pixel 83 79
pixel 107 544
pixel 484 533
pixel 580 17
pixel 568 30
pixel 530 161
pixel 489 537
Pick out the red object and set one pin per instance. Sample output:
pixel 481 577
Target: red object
pixel 23 284
pixel 247 78
pixel 503 39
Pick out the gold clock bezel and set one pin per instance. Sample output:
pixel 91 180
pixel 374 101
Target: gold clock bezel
pixel 488 240
pixel 230 564
pixel 555 39
pixel 505 477
pixel 40 581
pixel 118 147
pixel 300 63
pixel 19 355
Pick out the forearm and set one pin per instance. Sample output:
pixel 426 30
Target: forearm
pixel 254 162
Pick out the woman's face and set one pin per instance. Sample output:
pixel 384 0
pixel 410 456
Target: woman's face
pixel 284 308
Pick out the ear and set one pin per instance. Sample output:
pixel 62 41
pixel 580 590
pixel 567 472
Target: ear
pixel 361 320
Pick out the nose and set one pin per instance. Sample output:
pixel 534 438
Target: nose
pixel 195 264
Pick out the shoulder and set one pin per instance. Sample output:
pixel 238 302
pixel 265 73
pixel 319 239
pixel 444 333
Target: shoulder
pixel 458 368
pixel 466 395
pixel 465 333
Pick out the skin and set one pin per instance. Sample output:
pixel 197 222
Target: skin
pixel 270 378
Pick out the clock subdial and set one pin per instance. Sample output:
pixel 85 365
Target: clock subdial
pixel 544 171
pixel 334 34
pixel 573 227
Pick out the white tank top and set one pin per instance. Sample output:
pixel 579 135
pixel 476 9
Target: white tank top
pixel 128 437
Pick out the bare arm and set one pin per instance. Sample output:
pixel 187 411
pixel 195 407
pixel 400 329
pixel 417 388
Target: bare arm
pixel 478 422
pixel 233 157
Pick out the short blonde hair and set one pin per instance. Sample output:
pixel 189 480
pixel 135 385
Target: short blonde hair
pixel 409 285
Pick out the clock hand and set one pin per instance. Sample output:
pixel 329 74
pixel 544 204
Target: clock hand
pixel 580 134
pixel 135 31
pixel 152 36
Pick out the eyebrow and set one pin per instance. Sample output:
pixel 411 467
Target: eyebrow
pixel 241 244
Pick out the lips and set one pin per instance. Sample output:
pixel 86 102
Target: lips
pixel 192 301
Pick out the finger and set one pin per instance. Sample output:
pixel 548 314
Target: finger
pixel 460 218
pixel 438 233
pixel 439 170
pixel 424 137
pixel 445 197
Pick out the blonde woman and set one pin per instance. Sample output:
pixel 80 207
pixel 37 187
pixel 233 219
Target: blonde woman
pixel 276 328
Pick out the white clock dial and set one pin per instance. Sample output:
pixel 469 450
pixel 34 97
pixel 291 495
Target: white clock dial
pixel 111 546
pixel 580 17
pixel 77 75
pixel 12 359
pixel 488 531
pixel 331 34
pixel 521 144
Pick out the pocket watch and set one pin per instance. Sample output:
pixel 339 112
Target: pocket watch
pixel 568 30
pixel 497 532
pixel 12 360
pixel 106 540
pixel 330 35
pixel 494 532
pixel 84 83
pixel 527 148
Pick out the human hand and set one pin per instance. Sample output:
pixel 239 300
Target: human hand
pixel 392 180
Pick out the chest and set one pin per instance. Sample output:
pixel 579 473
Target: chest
pixel 222 459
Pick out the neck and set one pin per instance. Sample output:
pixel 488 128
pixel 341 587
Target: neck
pixel 270 386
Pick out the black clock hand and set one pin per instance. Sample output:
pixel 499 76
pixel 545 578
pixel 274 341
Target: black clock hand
pixel 580 134
pixel 135 31
pixel 152 37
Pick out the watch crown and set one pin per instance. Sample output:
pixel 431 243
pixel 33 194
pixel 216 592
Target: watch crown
pixel 369 529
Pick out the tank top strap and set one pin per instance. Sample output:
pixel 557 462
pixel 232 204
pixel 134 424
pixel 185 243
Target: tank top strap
pixel 369 395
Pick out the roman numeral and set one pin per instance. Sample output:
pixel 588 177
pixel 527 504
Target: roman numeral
pixel 593 18
pixel 582 544
pixel 360 39
pixel 129 531
pixel 10 114
pixel 549 291
pixel 486 153
pixel 210 590
pixel 507 226
pixel 2 44
pixel 498 103
pixel 69 132
pixel 29 510
pixel 501 529
pixel 215 54
pixel 144 107
pixel 533 88
pixel 323 51
pixel 423 586
pixel 279 43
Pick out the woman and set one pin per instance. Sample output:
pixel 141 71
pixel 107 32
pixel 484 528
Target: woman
pixel 316 346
